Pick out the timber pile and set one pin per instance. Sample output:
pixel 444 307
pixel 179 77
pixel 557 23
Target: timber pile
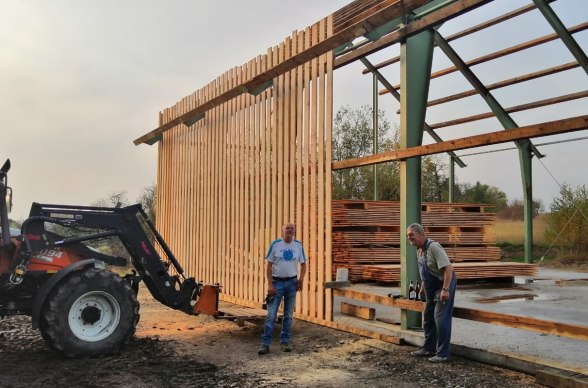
pixel 366 240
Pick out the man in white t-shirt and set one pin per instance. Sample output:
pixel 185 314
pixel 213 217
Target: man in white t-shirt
pixel 282 260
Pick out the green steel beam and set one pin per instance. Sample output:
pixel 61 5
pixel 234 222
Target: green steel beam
pixel 524 146
pixel 416 56
pixel 396 95
pixel 525 160
pixel 563 33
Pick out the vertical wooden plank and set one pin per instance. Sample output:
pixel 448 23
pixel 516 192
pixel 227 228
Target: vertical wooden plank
pixel 215 221
pixel 197 235
pixel 313 167
pixel 225 188
pixel 247 203
pixel 279 128
pixel 206 185
pixel 306 178
pixel 233 191
pixel 292 131
pixel 321 178
pixel 299 172
pixel 275 149
pixel 256 205
pixel 328 315
pixel 240 191
pixel 265 177
pixel 285 130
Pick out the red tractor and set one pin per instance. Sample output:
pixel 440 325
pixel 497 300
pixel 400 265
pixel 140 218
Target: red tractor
pixel 83 301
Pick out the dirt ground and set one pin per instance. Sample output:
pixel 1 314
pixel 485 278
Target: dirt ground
pixel 171 349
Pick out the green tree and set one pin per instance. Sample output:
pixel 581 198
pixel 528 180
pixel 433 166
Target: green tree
pixel 481 193
pixel 147 199
pixel 568 221
pixel 352 138
pixel 515 209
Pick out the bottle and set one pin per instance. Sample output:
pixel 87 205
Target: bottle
pixel 411 291
pixel 418 291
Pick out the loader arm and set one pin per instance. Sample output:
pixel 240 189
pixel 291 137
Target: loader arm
pixel 149 253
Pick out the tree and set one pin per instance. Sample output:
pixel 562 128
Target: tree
pixel 568 220
pixel 515 210
pixel 352 138
pixel 481 193
pixel 114 199
pixel 147 199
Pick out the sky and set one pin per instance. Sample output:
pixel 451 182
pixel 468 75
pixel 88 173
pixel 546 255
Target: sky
pixel 80 80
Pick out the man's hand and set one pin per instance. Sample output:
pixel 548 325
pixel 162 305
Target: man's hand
pixel 299 285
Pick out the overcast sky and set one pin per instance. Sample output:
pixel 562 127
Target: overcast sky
pixel 81 79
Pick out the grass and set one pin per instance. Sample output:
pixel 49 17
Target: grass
pixel 513 232
pixel 510 237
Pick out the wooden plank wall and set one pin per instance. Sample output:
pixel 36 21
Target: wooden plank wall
pixel 227 184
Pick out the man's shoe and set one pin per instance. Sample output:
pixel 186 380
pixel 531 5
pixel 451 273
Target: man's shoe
pixel 437 359
pixel 263 350
pixel 285 347
pixel 422 353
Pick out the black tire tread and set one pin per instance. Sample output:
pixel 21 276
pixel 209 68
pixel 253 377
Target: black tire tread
pixel 54 321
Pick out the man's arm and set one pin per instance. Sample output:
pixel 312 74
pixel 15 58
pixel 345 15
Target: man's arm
pixel 301 277
pixel 447 275
pixel 268 274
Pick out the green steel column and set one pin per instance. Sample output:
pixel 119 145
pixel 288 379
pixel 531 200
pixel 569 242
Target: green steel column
pixel 416 55
pixel 525 160
pixel 375 134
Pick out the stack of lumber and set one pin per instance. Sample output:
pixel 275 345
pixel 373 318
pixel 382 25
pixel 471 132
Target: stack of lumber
pixel 366 240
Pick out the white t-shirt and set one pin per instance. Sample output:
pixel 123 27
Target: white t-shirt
pixel 285 257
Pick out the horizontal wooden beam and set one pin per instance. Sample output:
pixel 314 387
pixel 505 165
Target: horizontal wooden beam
pixel 515 321
pixel 502 53
pixel 352 329
pixel 468 31
pixel 512 109
pixel 448 12
pixel 504 83
pixel 387 10
pixel 503 136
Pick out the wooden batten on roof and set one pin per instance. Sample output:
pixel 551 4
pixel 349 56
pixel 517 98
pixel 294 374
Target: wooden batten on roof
pixel 349 28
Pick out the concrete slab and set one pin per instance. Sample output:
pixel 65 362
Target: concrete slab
pixel 550 296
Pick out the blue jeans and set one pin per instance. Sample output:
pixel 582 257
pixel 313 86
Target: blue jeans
pixel 437 321
pixel 286 290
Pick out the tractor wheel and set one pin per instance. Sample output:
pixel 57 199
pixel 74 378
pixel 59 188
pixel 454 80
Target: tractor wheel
pixel 91 313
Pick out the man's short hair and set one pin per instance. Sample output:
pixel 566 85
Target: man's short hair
pixel 417 228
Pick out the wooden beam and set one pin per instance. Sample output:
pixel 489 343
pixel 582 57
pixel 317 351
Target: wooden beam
pixel 551 377
pixel 352 329
pixel 448 12
pixel 512 109
pixel 384 11
pixel 368 313
pixel 507 82
pixel 519 322
pixel 503 136
pixel 502 53
pixel 471 30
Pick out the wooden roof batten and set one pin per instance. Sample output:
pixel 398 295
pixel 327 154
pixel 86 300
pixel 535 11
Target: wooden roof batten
pixel 360 23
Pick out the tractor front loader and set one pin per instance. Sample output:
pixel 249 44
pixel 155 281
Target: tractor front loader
pixel 84 302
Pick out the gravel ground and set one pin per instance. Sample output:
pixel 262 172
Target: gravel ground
pixel 171 349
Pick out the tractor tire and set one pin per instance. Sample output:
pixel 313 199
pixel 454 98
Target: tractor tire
pixel 91 313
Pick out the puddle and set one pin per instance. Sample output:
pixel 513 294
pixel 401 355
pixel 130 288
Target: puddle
pixel 512 298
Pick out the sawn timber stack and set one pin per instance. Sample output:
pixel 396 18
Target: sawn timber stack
pixel 366 240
